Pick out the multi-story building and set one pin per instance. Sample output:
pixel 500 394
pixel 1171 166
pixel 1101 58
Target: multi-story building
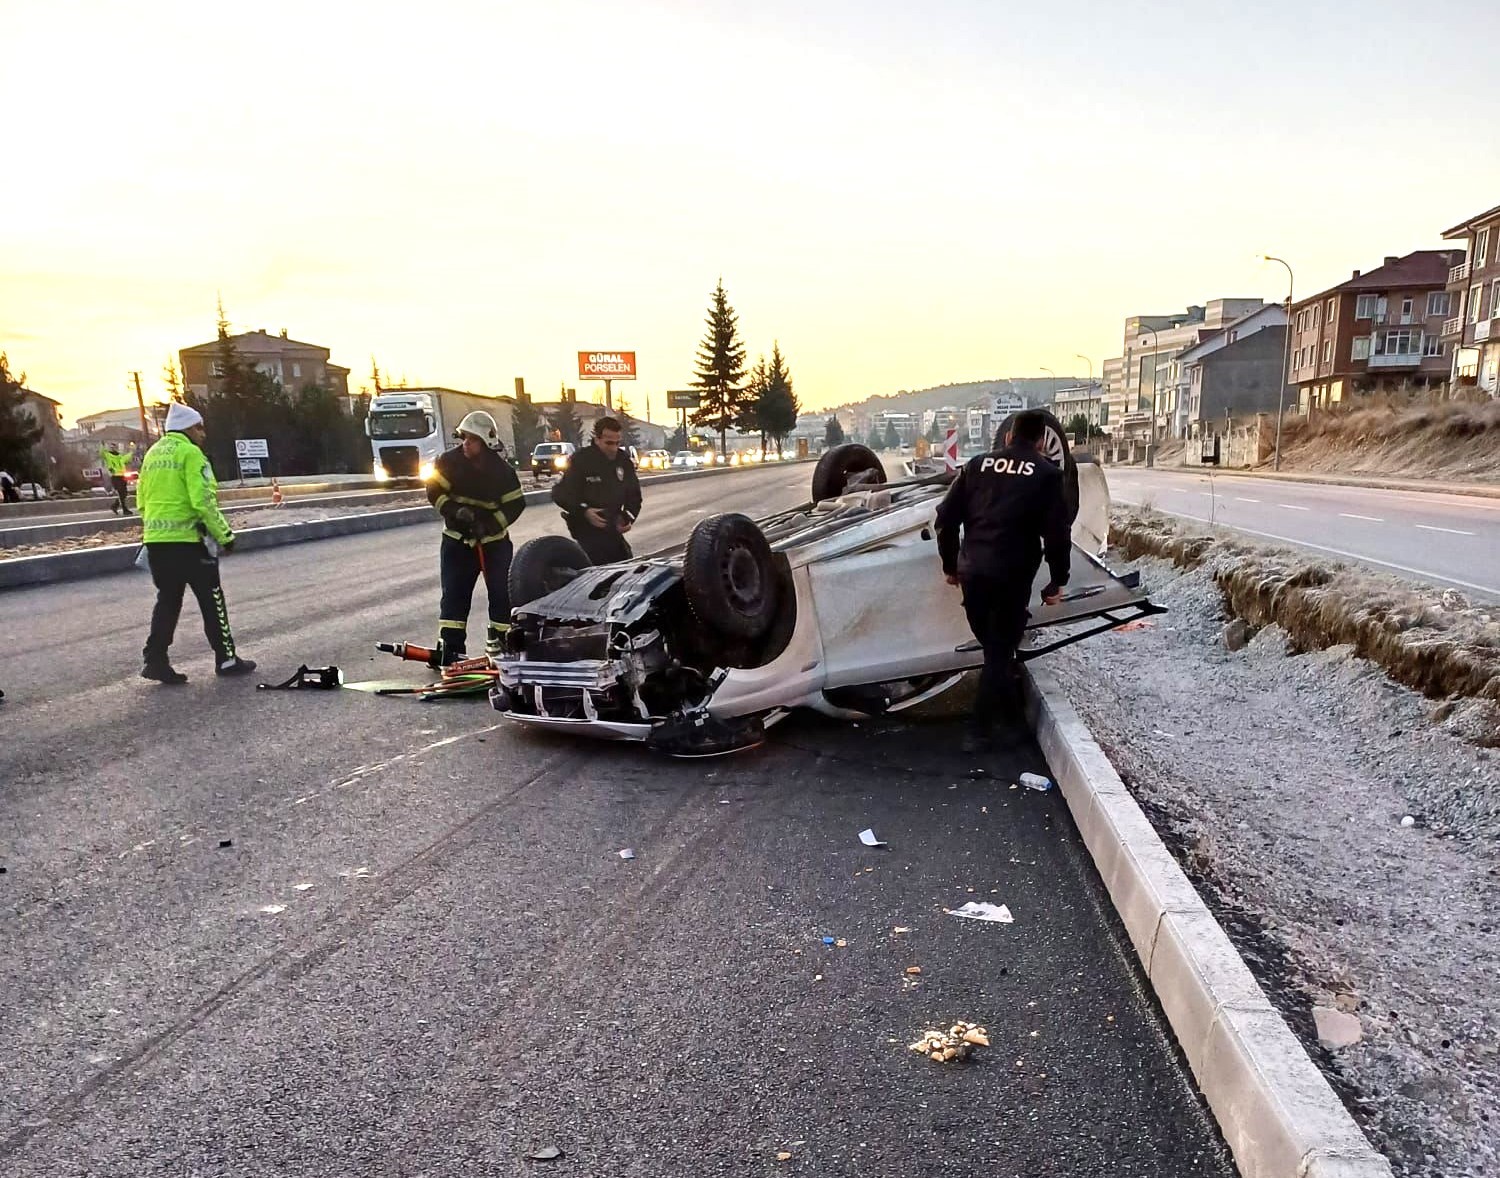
pixel 1472 330
pixel 1239 386
pixel 1150 397
pixel 1377 332
pixel 1082 400
pixel 291 363
pixel 1112 392
pixel 907 425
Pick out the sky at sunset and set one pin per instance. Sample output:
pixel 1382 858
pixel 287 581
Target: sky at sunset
pixel 901 194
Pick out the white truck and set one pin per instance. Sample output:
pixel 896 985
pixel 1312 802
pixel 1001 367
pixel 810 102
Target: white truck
pixel 409 428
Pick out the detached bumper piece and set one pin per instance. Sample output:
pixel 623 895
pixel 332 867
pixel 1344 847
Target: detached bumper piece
pixel 703 735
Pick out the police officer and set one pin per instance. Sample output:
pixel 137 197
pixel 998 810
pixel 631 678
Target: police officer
pixel 115 465
pixel 479 496
pixel 178 499
pixel 600 495
pixel 1008 504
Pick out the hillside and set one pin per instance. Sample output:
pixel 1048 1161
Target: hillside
pixel 1037 390
pixel 1456 441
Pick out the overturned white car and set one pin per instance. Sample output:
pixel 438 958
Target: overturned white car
pixel 839 605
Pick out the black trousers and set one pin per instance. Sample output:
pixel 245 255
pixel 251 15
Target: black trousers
pixel 460 566
pixel 997 613
pixel 118 482
pixel 603 545
pixel 174 569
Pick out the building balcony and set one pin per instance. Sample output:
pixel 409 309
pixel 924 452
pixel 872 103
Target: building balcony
pixel 1454 326
pixel 1397 360
pixel 1459 273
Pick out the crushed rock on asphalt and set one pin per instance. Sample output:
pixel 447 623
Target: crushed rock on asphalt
pixel 1281 782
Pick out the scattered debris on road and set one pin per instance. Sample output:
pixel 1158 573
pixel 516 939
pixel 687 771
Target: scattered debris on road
pixel 548 1153
pixel 627 853
pixel 1337 1028
pixel 867 837
pixel 913 970
pixel 1036 781
pixel 226 843
pixel 954 1044
pixel 983 910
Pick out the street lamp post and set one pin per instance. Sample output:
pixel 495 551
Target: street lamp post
pixel 1053 375
pixel 1090 363
pixel 1286 351
pixel 1151 444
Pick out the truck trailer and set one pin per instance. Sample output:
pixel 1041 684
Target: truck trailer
pixel 409 428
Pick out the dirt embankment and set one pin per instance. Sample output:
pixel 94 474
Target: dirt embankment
pixel 1434 641
pixel 1450 440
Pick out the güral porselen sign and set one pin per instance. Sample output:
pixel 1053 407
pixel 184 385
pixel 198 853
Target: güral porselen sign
pixel 606 365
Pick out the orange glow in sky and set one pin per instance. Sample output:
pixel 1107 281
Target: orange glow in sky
pixel 900 194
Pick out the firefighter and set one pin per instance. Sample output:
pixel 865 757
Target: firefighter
pixel 600 495
pixel 479 496
pixel 115 466
pixel 1009 506
pixel 183 530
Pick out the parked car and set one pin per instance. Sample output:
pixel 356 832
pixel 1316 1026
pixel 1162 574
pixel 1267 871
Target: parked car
pixel 837 605
pixel 551 458
pixel 686 460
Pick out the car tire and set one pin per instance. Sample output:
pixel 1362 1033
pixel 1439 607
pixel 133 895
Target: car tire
pixel 1055 447
pixel 837 467
pixel 729 575
pixel 544 566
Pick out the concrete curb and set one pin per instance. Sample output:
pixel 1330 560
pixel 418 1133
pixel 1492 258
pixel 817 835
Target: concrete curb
pixel 1276 1110
pixel 18 572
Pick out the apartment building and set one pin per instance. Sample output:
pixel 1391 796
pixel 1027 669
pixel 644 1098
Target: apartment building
pixel 1083 400
pixel 1377 332
pixel 288 361
pixel 1472 331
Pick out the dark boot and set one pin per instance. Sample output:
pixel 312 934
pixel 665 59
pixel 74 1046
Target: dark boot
pixel 161 671
pixel 452 646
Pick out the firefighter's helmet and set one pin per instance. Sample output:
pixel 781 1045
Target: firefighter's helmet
pixel 481 425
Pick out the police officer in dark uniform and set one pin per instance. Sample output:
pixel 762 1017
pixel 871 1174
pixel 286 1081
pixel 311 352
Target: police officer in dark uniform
pixel 600 495
pixel 479 496
pixel 1009 504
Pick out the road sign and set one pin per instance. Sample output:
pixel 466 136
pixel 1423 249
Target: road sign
pixel 684 398
pixel 251 448
pixel 250 468
pixel 606 365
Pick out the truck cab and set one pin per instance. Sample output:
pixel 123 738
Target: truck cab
pixel 405 434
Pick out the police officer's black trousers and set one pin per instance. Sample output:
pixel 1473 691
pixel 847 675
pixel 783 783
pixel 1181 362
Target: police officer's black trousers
pixel 996 608
pixel 174 569
pixel 460 567
pixel 118 482
pixel 603 545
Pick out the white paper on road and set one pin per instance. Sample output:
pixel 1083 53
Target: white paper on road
pixel 867 836
pixel 983 910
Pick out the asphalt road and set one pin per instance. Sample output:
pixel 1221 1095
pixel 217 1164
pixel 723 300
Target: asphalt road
pixel 1448 540
pixel 313 934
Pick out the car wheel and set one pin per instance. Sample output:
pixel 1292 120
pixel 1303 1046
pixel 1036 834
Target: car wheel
pixel 729 576
pixel 544 566
pixel 1055 447
pixel 842 466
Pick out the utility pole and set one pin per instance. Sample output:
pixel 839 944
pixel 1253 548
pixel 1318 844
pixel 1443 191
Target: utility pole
pixel 1286 345
pixel 140 403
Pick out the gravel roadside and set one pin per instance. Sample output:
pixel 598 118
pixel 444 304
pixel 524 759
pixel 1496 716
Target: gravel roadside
pixel 1282 783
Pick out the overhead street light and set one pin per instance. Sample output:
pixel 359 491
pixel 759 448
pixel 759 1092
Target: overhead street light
pixel 1286 351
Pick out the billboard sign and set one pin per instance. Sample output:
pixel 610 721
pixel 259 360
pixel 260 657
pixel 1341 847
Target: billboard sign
pixel 683 398
pixel 251 448
pixel 606 365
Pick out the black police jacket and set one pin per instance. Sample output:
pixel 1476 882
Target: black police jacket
pixel 478 500
pixel 1008 505
pixel 592 480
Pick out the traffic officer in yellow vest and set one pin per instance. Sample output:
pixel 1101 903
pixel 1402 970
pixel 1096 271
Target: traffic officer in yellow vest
pixel 115 466
pixel 479 496
pixel 183 529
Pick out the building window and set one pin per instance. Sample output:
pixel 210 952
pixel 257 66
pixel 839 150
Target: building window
pixel 1406 308
pixel 1328 315
pixel 1495 299
pixel 1399 343
pixel 1432 345
pixel 1364 307
pixel 1481 248
pixel 1438 304
pixel 218 368
pixel 296 371
pixel 1328 352
pixel 1315 319
pixel 1361 349
pixel 1476 296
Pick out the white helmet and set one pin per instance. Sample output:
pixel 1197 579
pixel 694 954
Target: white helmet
pixel 481 425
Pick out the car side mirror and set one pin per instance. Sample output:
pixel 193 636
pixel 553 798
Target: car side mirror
pixel 431 424
pixel 367 428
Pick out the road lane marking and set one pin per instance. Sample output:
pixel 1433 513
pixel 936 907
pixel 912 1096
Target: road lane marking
pixel 1242 499
pixel 1293 507
pixel 1369 518
pixel 1385 564
pixel 1450 531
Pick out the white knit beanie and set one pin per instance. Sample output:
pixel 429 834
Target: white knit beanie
pixel 181 417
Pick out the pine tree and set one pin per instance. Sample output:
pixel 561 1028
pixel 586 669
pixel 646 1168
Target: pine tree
pixel 19 430
pixel 875 441
pixel 528 427
pixel 630 434
pixel 679 439
pixel 565 420
pixel 779 408
pixel 721 369
pixel 751 418
pixel 892 437
pixel 833 432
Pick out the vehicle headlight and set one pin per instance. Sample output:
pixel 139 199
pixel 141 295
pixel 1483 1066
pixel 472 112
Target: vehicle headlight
pixel 381 474
pixel 560 462
pixel 425 471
